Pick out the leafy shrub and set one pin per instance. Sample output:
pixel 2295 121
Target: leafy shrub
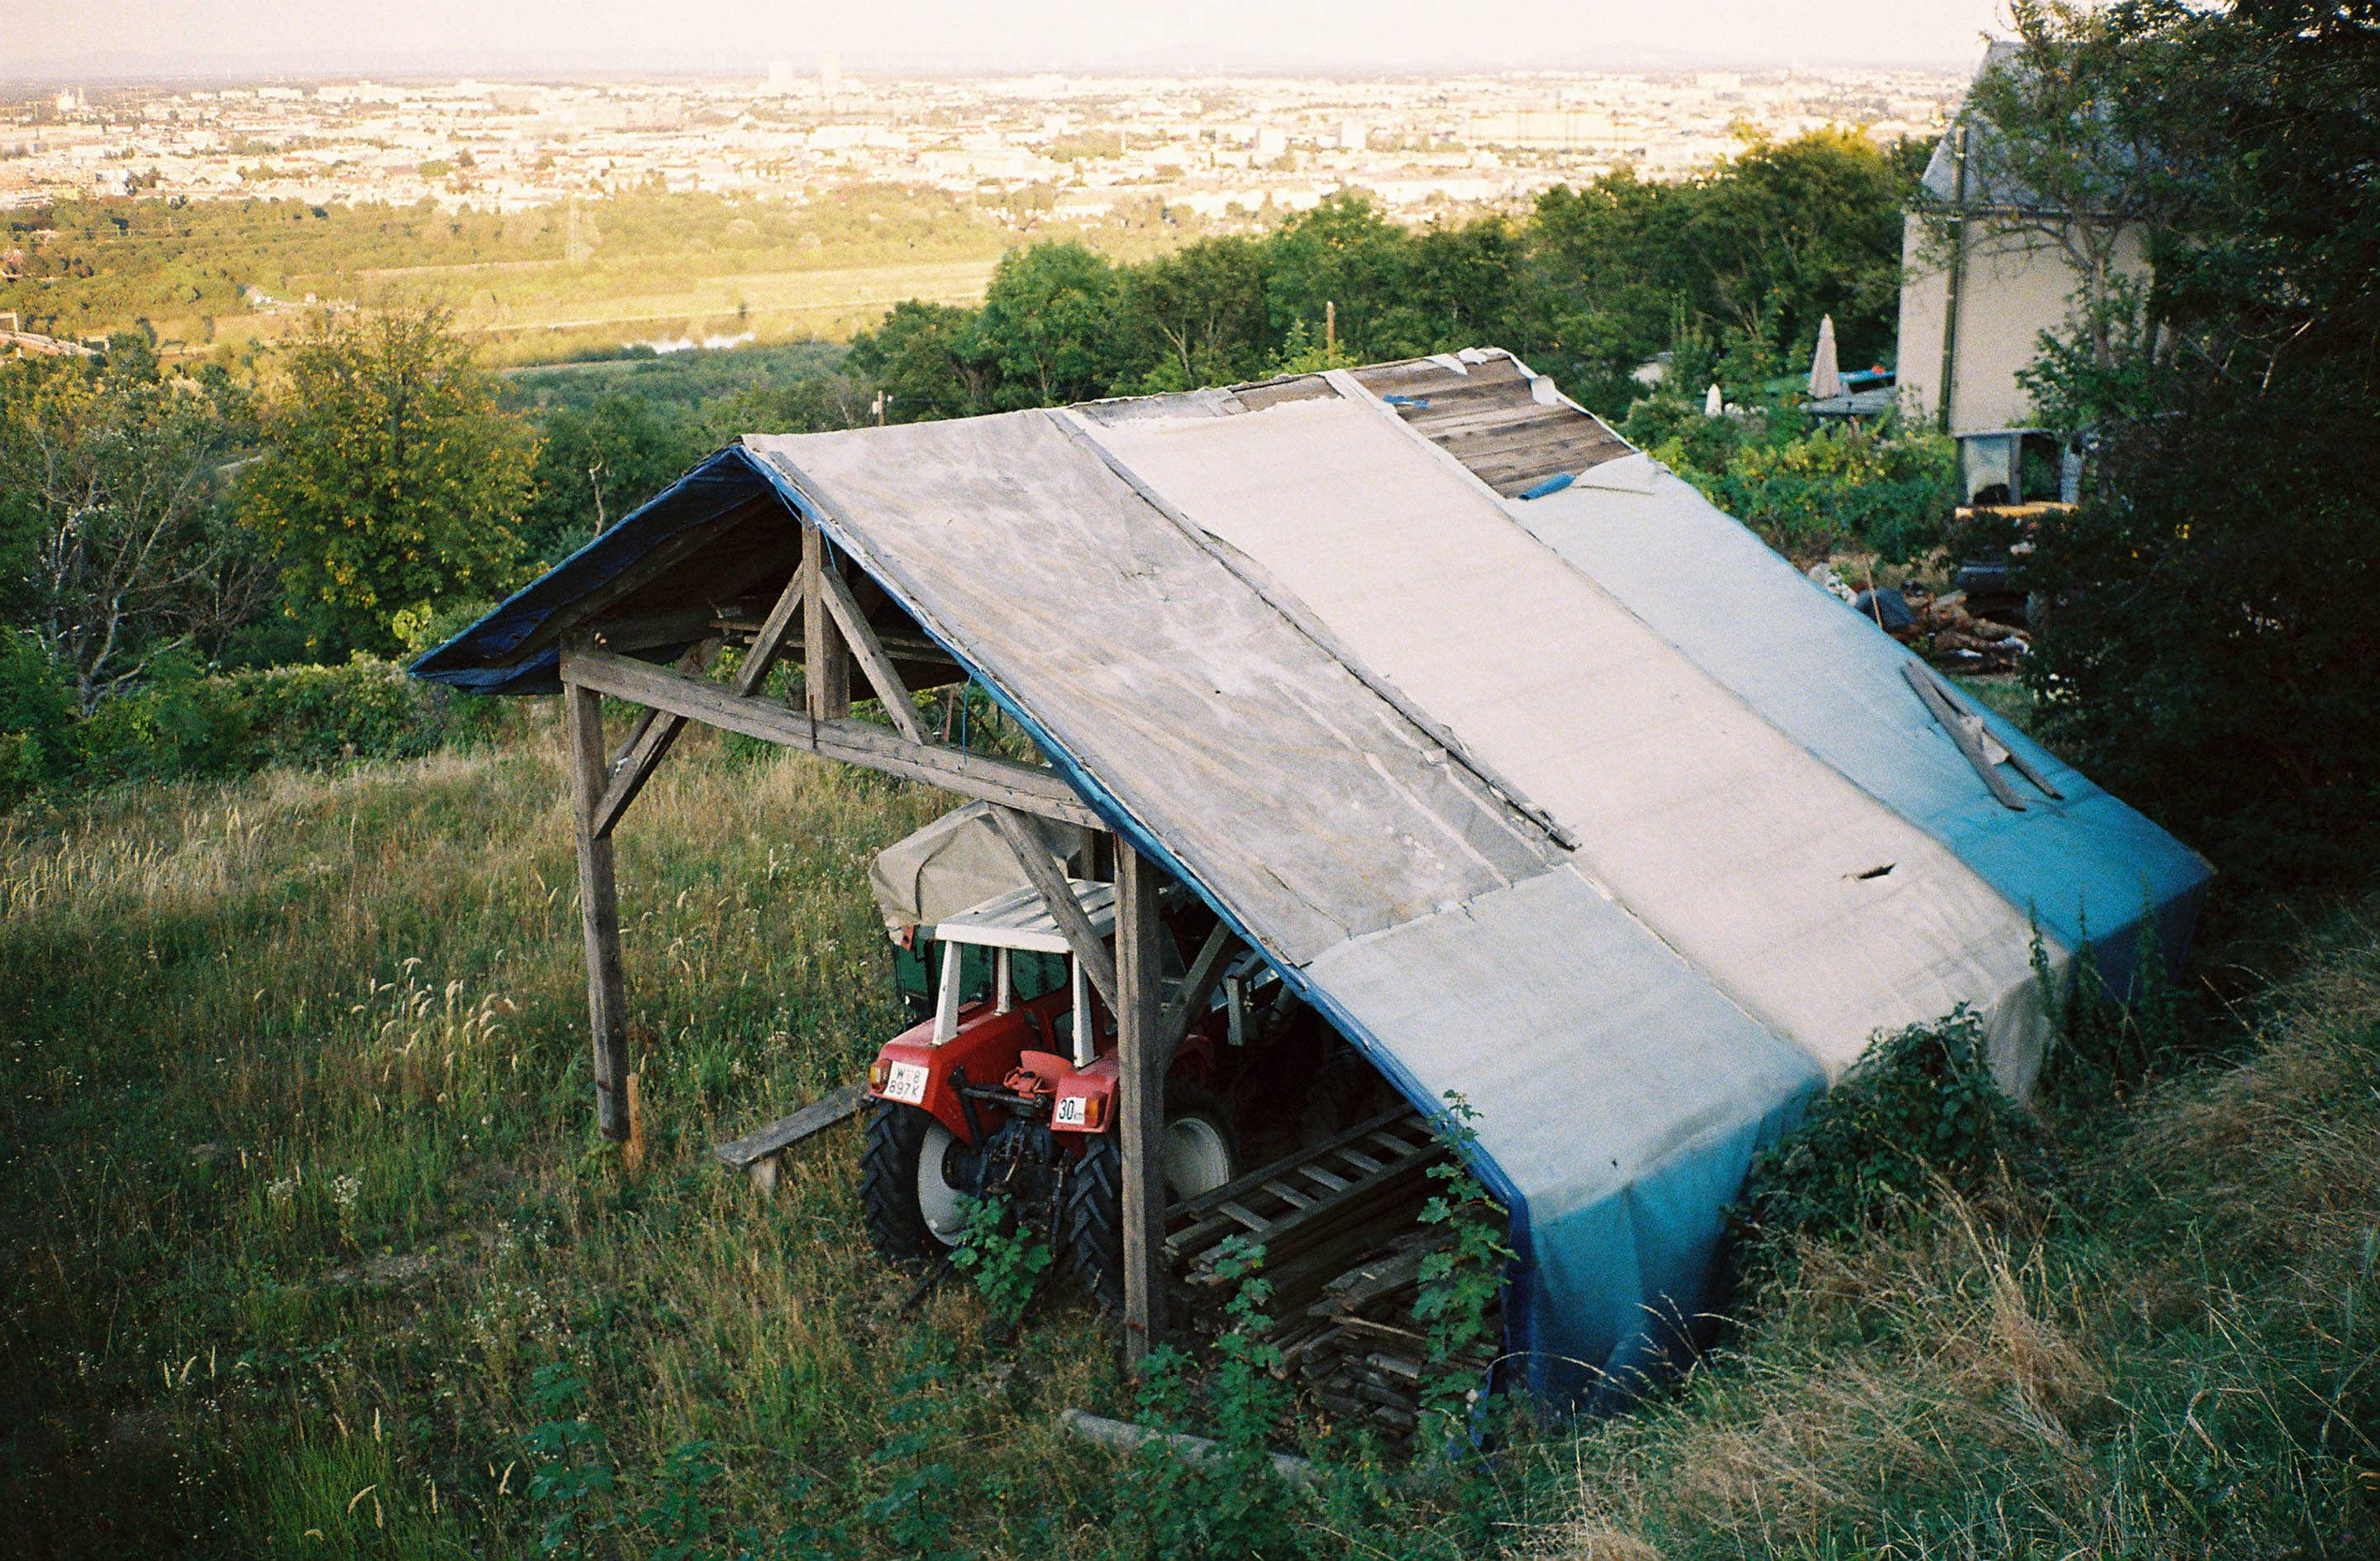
pixel 1005 1257
pixel 1460 1284
pixel 1231 1504
pixel 184 724
pixel 1918 1110
pixel 36 719
pixel 181 722
pixel 1805 488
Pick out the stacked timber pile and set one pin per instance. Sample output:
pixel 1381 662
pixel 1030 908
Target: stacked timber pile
pixel 1343 1253
pixel 1969 634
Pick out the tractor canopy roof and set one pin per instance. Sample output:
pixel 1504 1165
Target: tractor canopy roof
pixel 1553 788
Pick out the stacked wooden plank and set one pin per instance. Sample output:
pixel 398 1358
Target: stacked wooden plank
pixel 1487 417
pixel 1359 1351
pixel 1343 1253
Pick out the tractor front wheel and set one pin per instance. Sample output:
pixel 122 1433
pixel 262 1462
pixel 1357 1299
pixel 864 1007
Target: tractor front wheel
pixel 908 1197
pixel 1201 1153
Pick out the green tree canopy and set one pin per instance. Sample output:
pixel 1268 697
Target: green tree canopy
pixel 923 357
pixel 116 545
pixel 2212 652
pixel 1342 257
pixel 1198 316
pixel 392 481
pixel 597 463
pixel 1745 260
pixel 1047 325
pixel 1807 227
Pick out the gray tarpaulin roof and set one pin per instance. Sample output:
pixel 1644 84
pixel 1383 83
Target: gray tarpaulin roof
pixel 1582 807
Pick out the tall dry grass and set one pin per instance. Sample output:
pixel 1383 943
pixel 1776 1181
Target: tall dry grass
pixel 297 1180
pixel 2174 1354
pixel 302 1188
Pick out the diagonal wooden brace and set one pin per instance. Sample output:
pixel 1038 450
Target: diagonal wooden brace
pixel 859 635
pixel 1032 854
pixel 1174 1025
pixel 656 731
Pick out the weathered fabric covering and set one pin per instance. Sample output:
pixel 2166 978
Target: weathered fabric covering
pixel 1618 1095
pixel 955 863
pixel 1289 790
pixel 1735 845
pixel 2092 871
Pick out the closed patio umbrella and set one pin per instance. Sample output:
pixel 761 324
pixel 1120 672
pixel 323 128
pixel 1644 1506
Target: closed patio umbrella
pixel 1825 377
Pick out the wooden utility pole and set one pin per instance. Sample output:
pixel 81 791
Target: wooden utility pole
pixel 599 909
pixel 1140 1124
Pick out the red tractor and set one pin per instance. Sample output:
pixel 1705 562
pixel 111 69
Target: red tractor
pixel 1002 1092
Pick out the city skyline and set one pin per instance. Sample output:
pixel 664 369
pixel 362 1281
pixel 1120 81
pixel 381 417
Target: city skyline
pixel 210 39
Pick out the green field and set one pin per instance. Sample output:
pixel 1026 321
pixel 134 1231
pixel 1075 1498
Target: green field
pixel 537 312
pixel 234 276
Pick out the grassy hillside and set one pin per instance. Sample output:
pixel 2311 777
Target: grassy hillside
pixel 2162 1345
pixel 313 1251
pixel 300 1184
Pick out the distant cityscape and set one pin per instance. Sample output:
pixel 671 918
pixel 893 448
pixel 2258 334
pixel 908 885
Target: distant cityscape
pixel 1222 146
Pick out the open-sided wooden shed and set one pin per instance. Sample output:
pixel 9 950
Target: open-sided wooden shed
pixel 1544 783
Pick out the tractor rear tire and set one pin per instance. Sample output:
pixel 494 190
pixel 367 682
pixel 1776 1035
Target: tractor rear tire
pixel 907 1217
pixel 1200 1147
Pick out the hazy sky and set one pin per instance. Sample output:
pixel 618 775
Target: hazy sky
pixel 313 35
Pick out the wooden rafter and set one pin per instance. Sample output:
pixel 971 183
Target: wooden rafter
pixel 1032 854
pixel 869 652
pixel 638 575
pixel 740 619
pixel 1037 792
pixel 660 729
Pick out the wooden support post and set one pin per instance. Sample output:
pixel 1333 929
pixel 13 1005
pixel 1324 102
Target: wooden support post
pixel 1140 1050
pixel 598 909
pixel 826 673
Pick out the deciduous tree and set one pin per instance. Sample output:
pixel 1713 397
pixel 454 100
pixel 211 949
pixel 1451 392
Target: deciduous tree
pixel 393 483
pixel 110 482
pixel 2212 653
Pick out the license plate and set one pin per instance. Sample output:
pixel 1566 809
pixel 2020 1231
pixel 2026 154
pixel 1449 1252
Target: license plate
pixel 1070 1111
pixel 907 1083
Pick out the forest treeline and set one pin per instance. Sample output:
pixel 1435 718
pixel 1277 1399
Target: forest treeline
pixel 1740 263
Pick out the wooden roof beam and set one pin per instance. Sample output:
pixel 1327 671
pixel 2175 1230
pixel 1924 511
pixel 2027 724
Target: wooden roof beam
pixel 1039 792
pixel 659 561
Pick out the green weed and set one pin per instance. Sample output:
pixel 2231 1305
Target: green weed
pixel 1006 1258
